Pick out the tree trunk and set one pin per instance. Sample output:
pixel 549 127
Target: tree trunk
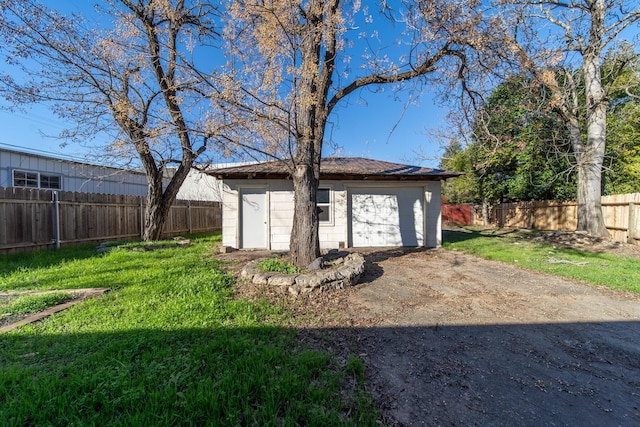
pixel 159 200
pixel 590 156
pixel 156 211
pixel 590 218
pixel 155 215
pixel 314 83
pixel 485 212
pixel 305 242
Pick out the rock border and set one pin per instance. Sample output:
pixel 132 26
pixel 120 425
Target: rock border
pixel 346 273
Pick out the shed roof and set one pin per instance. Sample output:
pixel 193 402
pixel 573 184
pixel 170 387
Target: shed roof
pixel 338 168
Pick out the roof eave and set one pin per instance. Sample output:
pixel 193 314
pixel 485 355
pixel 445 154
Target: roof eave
pixel 337 177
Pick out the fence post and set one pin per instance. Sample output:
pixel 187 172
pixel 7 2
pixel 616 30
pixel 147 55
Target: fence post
pixel 631 228
pixel 141 219
pixel 189 216
pixel 56 219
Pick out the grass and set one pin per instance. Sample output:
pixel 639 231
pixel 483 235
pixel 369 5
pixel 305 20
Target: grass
pixel 602 269
pixel 169 345
pixel 32 303
pixel 278 266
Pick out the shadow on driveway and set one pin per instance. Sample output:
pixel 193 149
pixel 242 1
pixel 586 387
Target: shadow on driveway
pixel 458 340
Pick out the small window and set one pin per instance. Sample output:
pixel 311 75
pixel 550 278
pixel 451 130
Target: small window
pixel 25 179
pixel 324 204
pixel 50 181
pixel 36 180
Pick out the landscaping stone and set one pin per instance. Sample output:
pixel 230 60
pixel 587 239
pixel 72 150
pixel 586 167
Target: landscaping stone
pixel 261 278
pixel 345 271
pixel 316 264
pixel 282 280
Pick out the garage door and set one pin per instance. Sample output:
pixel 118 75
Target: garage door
pixel 387 217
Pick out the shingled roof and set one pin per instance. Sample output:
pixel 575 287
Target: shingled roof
pixel 338 168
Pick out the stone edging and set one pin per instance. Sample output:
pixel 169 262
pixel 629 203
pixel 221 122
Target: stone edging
pixel 346 274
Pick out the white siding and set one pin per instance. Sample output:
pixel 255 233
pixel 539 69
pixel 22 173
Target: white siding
pixel 333 234
pixel 281 213
pixel 200 186
pixel 230 215
pixel 433 214
pixel 387 216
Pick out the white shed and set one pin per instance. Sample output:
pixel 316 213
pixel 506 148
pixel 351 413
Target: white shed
pixel 362 202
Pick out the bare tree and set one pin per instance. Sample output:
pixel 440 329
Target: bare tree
pixel 134 74
pixel 297 60
pixel 562 44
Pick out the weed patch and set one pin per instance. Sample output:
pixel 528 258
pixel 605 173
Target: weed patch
pixel 278 266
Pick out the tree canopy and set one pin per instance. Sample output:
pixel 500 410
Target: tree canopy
pixel 520 148
pixel 560 45
pixel 294 62
pixel 132 78
pixel 622 161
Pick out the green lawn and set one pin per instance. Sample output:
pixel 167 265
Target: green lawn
pixel 169 345
pixel 513 247
pixel 24 304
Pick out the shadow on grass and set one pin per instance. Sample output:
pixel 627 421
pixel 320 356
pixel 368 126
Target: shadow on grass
pixel 46 258
pixel 524 236
pixel 529 374
pixel 464 234
pixel 226 376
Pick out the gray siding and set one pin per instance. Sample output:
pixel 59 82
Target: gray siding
pixel 75 176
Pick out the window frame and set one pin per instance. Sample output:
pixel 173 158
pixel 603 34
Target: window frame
pixel 328 205
pixel 35 178
pixel 57 179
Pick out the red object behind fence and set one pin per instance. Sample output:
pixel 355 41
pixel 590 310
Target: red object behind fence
pixel 456 214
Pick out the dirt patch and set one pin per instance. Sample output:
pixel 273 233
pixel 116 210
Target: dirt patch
pixel 463 341
pixel 451 339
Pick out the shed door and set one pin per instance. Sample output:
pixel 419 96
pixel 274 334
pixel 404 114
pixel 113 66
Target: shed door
pixel 387 217
pixel 253 224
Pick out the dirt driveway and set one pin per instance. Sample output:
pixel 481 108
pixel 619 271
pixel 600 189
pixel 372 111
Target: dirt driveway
pixel 450 339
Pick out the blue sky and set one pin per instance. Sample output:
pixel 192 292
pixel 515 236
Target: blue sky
pixel 366 124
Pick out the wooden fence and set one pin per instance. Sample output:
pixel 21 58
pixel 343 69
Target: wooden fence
pixel 457 213
pixel 621 216
pixel 32 219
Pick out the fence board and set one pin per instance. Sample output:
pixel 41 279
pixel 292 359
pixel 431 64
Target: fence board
pixel 621 216
pixel 26 218
pixel 457 213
